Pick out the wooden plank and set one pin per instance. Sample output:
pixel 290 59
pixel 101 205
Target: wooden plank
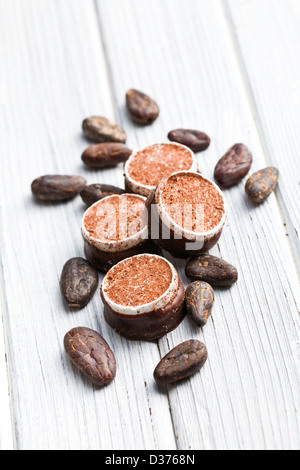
pixel 271 63
pixel 6 432
pixel 55 74
pixel 247 395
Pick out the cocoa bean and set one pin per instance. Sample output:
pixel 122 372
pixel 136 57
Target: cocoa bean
pixel 94 192
pixel 100 129
pixel 199 301
pixel 142 108
pixel 105 155
pixel 215 271
pixel 181 362
pixel 78 282
pixel 195 140
pixel 261 184
pixel 57 187
pixel 233 166
pixel 90 353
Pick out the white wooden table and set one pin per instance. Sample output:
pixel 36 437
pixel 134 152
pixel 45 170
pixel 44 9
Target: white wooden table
pixel 230 68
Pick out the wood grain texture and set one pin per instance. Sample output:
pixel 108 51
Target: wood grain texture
pixel 273 81
pixel 6 432
pixel 183 55
pixel 77 59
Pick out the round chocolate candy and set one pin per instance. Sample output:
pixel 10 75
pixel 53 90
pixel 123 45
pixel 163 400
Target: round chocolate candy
pixel 143 297
pixel 145 168
pixel 115 228
pixel 186 214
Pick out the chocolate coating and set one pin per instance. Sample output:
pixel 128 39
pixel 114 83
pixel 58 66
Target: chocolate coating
pixel 151 325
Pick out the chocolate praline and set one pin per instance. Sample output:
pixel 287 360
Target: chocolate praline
pixel 143 297
pixel 186 190
pixel 145 168
pixel 105 244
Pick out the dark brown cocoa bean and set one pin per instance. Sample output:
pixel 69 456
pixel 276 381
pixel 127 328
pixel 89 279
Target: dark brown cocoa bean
pixel 90 353
pixel 105 155
pixel 142 108
pixel 78 282
pixel 195 140
pixel 100 129
pixel 181 362
pixel 233 166
pixel 94 192
pixel 199 301
pixel 261 184
pixel 215 271
pixel 57 187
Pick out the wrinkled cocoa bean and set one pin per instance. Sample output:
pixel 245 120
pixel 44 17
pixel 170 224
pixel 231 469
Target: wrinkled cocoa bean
pixel 215 271
pixel 181 362
pixel 142 108
pixel 195 140
pixel 94 192
pixel 57 187
pixel 78 282
pixel 261 184
pixel 100 129
pixel 105 155
pixel 233 166
pixel 90 353
pixel 199 301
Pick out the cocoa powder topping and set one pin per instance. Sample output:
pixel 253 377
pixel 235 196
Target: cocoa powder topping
pixel 115 218
pixel 192 202
pixel 150 165
pixel 138 280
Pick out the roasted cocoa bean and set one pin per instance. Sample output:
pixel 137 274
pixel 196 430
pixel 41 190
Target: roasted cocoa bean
pixel 261 184
pixel 90 353
pixel 100 129
pixel 199 301
pixel 142 108
pixel 195 140
pixel 181 362
pixel 94 192
pixel 215 271
pixel 105 155
pixel 78 282
pixel 57 187
pixel 233 166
